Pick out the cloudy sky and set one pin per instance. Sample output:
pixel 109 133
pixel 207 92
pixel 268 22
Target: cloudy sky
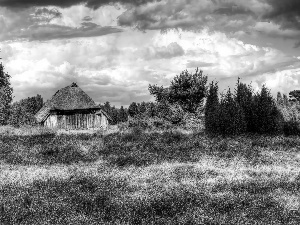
pixel 115 49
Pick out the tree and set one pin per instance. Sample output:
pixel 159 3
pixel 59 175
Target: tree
pixel 113 112
pixel 107 107
pixel 295 95
pixel 231 116
pixel 186 89
pixel 23 112
pixel 122 115
pixel 161 94
pixel 212 109
pixel 6 97
pixel 244 97
pixel 285 100
pixel 133 109
pixel 266 116
pixel 151 109
pixel 279 99
pixel 142 108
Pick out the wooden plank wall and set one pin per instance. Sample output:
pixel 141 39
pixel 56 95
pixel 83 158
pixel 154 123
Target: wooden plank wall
pixel 76 121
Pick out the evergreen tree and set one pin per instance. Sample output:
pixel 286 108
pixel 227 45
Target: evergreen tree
pixel 107 107
pixel 142 108
pixel 231 116
pixel 133 109
pixel 285 100
pixel 122 115
pixel 244 97
pixel 114 114
pixel 267 118
pixel 212 109
pixel 6 97
pixel 151 109
pixel 279 99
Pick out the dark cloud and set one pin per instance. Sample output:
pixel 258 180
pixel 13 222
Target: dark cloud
pixel 170 14
pixel 230 9
pixel 89 25
pixel 284 12
pixel 51 31
pixel 186 14
pixel 34 24
pixel 200 64
pixel 87 18
pixel 19 4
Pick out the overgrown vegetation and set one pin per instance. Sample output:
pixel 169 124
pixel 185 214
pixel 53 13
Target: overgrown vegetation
pixel 22 112
pixel 48 148
pixel 152 178
pixel 5 95
pixel 159 167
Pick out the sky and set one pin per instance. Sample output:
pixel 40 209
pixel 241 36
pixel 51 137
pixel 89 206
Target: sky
pixel 114 49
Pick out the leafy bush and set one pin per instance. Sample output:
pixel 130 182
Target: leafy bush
pixel 193 121
pixel 23 112
pixel 150 123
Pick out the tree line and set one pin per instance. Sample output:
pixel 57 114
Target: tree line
pixel 235 112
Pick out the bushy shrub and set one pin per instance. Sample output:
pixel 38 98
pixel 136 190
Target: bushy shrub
pixel 291 127
pixel 150 123
pixel 172 113
pixel 290 112
pixel 193 121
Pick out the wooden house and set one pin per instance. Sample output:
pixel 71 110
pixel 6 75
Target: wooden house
pixel 71 108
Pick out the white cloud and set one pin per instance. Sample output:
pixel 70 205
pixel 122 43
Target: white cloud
pixel 275 30
pixel 114 68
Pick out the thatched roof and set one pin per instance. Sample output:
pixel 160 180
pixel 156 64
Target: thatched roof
pixel 68 98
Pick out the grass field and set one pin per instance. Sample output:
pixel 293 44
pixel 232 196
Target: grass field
pixel 136 177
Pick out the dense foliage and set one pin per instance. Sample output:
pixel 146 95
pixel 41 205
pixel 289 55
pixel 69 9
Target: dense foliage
pixel 6 97
pixel 186 89
pixel 231 117
pixel 117 115
pixel 211 109
pixel 23 111
pixel 243 111
pixel 295 95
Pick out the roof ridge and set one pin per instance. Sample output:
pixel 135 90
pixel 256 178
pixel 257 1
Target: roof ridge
pixel 68 98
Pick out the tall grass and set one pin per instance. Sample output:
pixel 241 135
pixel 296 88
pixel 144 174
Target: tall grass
pixel 134 147
pixel 167 177
pixel 49 148
pixel 86 199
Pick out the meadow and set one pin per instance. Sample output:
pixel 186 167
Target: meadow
pixel 135 176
